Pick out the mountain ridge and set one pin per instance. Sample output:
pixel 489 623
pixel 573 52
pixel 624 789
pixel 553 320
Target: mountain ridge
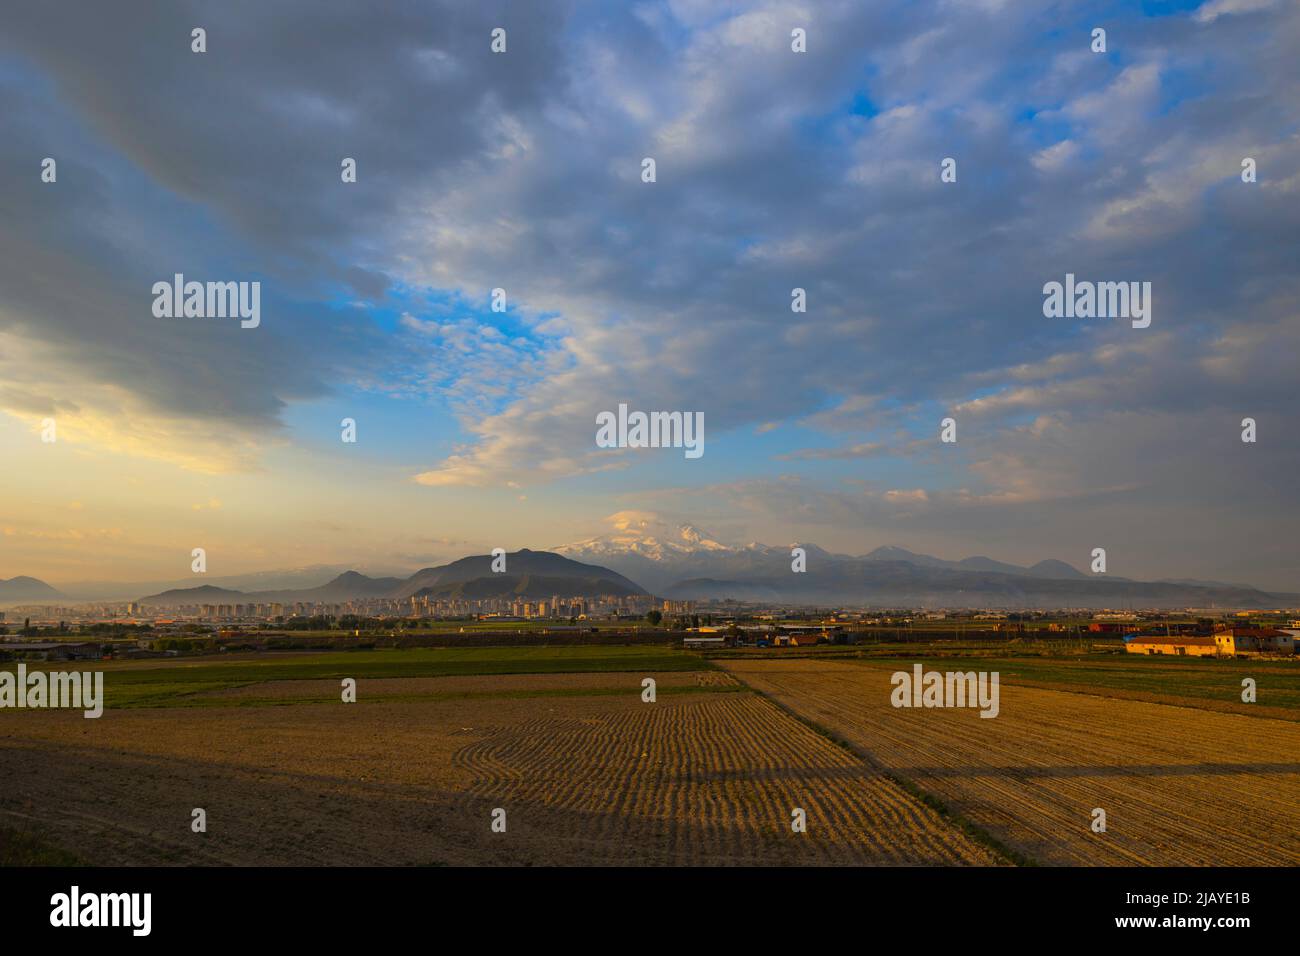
pixel 24 588
pixel 889 575
pixel 690 564
pixel 565 576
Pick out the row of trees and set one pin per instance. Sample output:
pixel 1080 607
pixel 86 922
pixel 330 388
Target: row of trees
pixel 64 629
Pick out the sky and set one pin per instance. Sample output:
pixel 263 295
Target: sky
pixel 522 171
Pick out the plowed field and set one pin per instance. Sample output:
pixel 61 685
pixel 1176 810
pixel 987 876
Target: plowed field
pixel 701 776
pixel 1179 785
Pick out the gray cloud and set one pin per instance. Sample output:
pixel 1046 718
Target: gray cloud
pixel 775 171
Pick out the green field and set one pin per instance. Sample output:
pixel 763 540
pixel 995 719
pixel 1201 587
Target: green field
pixel 1076 666
pixel 164 682
pixel 25 848
pixel 1164 678
pixel 1215 684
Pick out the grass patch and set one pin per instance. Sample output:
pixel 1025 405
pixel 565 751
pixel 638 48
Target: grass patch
pixel 1187 682
pixel 24 848
pixel 157 683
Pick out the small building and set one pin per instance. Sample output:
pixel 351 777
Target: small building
pixel 1176 645
pixel 811 631
pixel 700 642
pixel 1253 641
pixel 53 650
pixel 806 640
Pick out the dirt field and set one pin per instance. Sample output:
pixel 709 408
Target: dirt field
pixel 698 778
pixel 1180 786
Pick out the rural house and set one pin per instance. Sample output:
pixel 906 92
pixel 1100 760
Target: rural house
pixel 1179 645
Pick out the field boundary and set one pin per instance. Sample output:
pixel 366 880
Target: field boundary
pixel 950 816
pixel 1212 705
pixel 1182 703
pixel 193 700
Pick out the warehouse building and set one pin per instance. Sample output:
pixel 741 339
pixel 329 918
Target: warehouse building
pixel 1253 641
pixel 1178 645
pixel 52 650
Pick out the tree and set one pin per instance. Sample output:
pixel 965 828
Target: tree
pixel 654 617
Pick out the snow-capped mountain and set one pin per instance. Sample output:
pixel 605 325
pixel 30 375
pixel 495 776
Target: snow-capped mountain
pixel 651 551
pixel 682 561
pixel 658 553
pixel 641 537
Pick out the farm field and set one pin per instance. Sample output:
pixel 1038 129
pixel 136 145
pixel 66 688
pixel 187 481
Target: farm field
pixel 1180 785
pixel 170 682
pixel 1207 684
pixel 410 775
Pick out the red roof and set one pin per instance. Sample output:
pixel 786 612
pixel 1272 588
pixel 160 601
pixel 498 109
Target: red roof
pixel 1176 639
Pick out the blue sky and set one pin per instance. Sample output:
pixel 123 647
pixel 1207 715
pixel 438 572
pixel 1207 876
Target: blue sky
pixel 775 170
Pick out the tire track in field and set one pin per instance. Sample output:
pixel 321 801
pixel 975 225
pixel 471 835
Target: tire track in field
pixel 700 781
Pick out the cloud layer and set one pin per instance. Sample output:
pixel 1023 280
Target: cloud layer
pixel 775 170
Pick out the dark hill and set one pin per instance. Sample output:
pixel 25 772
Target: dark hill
pixel 522 563
pixel 529 586
pixel 23 588
pixel 204 594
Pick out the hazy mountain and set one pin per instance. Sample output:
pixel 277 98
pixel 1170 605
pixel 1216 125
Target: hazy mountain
pixel 204 594
pixel 689 564
pixel 1055 569
pixel 27 589
pixel 347 586
pixel 1050 568
pixel 988 564
pixel 532 574
pixel 582 579
pixel 1197 582
pixel 355 584
pixel 662 559
pixel 530 586
pixel 902 584
pixel 889 575
pixel 890 552
pixel 279 580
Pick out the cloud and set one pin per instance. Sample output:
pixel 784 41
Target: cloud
pixel 868 449
pixel 1209 12
pixel 775 171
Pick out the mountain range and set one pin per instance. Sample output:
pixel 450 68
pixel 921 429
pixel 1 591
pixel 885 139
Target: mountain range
pixel 528 574
pixel 685 563
pixel 663 562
